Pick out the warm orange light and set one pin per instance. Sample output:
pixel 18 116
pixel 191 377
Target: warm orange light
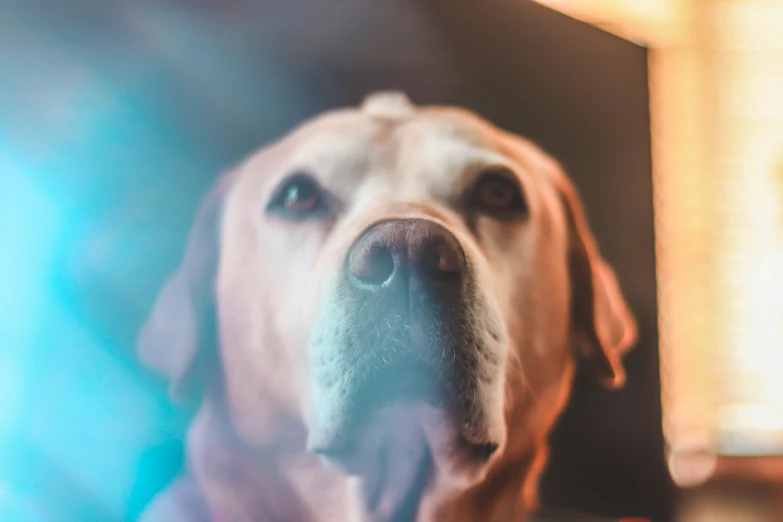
pixel 716 88
pixel 637 20
pixel 748 51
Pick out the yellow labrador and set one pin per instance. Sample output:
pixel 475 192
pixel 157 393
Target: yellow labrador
pixel 396 295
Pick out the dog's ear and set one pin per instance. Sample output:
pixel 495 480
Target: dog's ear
pixel 604 327
pixel 180 333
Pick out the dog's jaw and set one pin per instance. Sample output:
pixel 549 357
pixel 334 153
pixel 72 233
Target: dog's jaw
pixel 407 451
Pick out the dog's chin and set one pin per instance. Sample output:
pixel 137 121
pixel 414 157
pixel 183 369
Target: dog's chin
pixel 398 450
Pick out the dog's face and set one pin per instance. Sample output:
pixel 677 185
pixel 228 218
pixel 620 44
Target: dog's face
pixel 395 284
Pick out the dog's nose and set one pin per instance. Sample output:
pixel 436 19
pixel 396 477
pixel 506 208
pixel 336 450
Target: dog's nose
pixel 397 249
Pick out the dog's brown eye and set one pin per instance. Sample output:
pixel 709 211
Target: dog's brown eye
pixel 497 193
pixel 298 197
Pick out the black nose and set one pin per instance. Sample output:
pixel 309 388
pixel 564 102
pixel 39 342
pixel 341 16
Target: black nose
pixel 397 249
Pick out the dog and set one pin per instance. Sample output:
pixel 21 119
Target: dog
pixel 383 311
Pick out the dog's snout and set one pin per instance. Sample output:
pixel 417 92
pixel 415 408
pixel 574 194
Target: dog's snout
pixel 398 248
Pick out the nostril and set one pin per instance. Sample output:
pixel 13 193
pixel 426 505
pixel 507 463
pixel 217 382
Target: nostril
pixel 372 265
pixel 441 259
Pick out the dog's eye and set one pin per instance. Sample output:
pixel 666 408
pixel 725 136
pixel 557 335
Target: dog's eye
pixel 299 197
pixel 497 193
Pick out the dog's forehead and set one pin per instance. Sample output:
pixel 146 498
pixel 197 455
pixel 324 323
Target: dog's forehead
pixel 374 125
pixel 395 140
pixel 392 106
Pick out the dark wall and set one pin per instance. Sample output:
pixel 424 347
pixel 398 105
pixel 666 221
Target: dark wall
pixel 116 118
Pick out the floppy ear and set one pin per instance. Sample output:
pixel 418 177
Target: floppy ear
pixel 179 335
pixel 604 326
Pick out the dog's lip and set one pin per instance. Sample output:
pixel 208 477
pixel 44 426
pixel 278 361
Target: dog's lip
pixel 481 451
pixel 344 458
pixel 333 450
pixel 344 452
pixel 341 451
pixel 348 458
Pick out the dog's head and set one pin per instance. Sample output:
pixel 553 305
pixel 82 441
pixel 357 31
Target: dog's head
pixel 394 277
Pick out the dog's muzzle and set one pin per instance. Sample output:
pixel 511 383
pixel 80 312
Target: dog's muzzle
pixel 404 325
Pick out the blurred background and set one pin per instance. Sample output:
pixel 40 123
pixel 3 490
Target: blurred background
pixel 115 118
